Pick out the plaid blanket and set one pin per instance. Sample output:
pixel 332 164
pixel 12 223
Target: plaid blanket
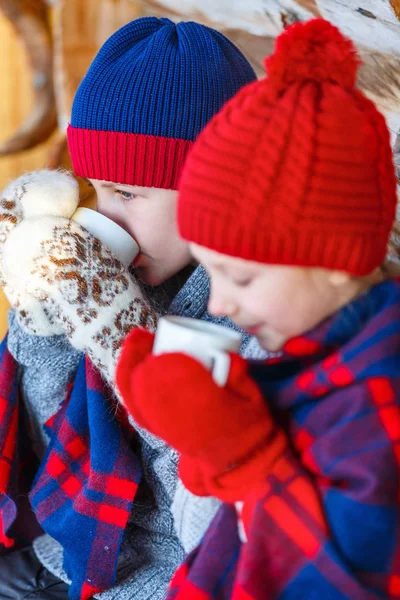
pixel 326 524
pixel 84 487
pixel 9 450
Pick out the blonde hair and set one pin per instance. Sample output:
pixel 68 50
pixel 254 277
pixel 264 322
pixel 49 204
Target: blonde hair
pixel 391 266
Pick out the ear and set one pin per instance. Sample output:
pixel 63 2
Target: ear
pixel 339 278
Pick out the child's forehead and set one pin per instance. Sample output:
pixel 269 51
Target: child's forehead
pixel 221 261
pixel 230 265
pixel 115 184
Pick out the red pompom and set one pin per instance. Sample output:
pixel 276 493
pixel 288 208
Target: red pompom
pixel 316 51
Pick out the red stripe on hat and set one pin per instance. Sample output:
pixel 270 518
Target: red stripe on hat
pixel 128 158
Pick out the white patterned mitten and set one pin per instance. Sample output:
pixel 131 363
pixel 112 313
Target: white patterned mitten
pixel 16 205
pixel 81 286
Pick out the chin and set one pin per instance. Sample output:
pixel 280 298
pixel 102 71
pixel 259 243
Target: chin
pixel 269 344
pixel 150 277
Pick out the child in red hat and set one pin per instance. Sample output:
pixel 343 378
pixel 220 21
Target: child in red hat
pixel 288 198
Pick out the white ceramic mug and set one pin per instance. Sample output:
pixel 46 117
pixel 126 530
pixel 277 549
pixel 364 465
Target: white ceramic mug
pixel 121 244
pixel 206 342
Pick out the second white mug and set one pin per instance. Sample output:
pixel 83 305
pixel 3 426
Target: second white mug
pixel 210 344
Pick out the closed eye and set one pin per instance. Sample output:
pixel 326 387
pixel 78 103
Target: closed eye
pixel 243 282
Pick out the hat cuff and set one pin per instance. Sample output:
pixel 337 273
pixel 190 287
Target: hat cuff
pixel 354 253
pixel 127 158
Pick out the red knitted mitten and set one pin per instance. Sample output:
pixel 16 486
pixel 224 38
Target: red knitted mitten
pixel 226 437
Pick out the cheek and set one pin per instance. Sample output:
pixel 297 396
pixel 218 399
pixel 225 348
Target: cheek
pixel 272 313
pixel 261 301
pixel 138 221
pixel 162 243
pixel 113 210
pixel 271 306
pixel 151 225
pixel 295 314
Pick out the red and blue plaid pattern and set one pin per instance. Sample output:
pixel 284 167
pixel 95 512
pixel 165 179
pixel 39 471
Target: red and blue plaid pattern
pixel 18 464
pixel 9 418
pixel 326 522
pixel 85 486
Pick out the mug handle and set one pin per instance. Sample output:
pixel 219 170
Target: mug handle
pixel 241 531
pixel 221 366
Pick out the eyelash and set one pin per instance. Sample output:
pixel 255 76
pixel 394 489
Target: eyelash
pixel 243 283
pixel 126 196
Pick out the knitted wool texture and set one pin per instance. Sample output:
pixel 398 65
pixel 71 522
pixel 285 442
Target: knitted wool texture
pixel 297 168
pixel 149 92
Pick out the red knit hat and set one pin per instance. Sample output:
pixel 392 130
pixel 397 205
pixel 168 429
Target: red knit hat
pixel 296 169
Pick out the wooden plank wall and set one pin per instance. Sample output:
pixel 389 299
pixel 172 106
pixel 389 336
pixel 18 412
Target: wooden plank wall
pixel 79 29
pixel 15 104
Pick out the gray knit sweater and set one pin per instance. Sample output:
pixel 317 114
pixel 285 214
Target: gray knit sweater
pixel 167 521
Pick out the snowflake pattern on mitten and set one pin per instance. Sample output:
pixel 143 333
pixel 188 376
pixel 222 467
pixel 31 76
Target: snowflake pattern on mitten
pixel 80 284
pixel 15 204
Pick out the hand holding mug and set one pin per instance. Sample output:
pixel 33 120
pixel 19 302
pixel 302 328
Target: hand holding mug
pixel 114 237
pixel 225 434
pixel 208 343
pixel 70 280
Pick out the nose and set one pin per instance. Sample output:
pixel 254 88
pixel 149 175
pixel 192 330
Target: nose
pixel 221 304
pixel 103 204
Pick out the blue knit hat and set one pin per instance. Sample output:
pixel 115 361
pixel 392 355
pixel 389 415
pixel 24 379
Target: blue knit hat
pixel 149 92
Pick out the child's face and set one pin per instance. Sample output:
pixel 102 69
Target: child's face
pixel 148 214
pixel 273 302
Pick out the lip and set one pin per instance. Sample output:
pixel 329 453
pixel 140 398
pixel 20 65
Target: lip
pixel 136 260
pixel 253 330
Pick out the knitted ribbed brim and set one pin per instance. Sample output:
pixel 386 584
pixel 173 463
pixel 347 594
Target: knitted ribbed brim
pixel 297 169
pixel 149 92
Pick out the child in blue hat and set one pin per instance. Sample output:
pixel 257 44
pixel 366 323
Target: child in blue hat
pixel 149 92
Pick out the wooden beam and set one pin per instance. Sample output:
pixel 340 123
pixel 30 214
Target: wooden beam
pixel 372 24
pixel 396 7
pixel 29 19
